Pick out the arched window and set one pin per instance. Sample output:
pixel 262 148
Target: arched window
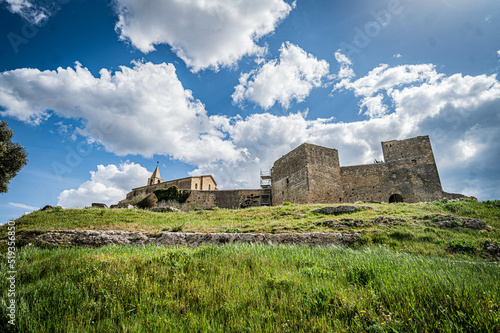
pixel 196 186
pixel 209 187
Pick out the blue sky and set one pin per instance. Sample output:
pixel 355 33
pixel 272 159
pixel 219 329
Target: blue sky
pixel 98 91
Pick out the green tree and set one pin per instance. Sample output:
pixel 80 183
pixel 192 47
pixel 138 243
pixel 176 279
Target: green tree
pixel 13 157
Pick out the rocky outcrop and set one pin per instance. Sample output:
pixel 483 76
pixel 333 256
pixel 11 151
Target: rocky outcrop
pixel 340 210
pixel 164 209
pixel 93 238
pixel 124 206
pixel 99 205
pixel 492 248
pixel 453 222
pixel 47 207
pixel 148 202
pixel 353 223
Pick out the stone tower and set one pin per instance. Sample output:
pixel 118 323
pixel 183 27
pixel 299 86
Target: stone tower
pixel 411 165
pixel 155 177
pixel 307 174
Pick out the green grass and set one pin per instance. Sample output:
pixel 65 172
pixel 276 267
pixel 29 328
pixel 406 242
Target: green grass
pixel 237 288
pixel 415 232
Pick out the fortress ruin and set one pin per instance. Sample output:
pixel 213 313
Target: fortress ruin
pixel 312 174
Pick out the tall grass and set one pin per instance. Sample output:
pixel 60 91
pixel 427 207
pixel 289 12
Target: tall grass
pixel 237 288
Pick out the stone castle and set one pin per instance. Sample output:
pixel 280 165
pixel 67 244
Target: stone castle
pixel 312 174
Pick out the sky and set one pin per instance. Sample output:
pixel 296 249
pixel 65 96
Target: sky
pixel 99 91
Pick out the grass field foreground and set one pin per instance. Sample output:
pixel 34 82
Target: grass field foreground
pixel 237 288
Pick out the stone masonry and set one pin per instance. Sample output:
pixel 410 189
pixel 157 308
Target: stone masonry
pixel 312 174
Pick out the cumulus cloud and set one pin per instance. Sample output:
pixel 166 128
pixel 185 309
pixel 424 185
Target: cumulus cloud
pixel 140 110
pixel 202 33
pixel 109 184
pixel 292 77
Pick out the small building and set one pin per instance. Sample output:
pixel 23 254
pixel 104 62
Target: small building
pixel 197 183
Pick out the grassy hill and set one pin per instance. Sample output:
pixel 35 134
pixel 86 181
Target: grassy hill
pixel 416 268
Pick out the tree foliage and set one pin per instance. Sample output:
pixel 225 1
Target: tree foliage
pixel 13 157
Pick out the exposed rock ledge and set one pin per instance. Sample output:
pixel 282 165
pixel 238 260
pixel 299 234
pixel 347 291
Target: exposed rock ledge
pixel 94 238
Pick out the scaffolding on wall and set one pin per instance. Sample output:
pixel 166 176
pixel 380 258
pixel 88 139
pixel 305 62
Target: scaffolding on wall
pixel 265 188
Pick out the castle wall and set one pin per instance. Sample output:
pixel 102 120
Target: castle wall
pixel 364 183
pixel 230 199
pixel 311 174
pixel 289 178
pixel 182 184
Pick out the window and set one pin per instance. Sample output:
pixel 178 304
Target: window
pixel 209 187
pixel 196 186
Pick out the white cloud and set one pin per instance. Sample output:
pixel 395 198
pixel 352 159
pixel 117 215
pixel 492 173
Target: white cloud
pixel 345 63
pixel 140 110
pixel 498 53
pixel 459 113
pixel 29 10
pixel 145 110
pixel 292 77
pixel 387 78
pixel 202 33
pixel 109 184
pixel 21 205
pixel 397 55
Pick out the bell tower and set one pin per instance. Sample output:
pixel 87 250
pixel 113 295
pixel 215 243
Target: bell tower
pixel 155 177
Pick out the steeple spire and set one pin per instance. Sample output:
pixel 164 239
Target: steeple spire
pixel 155 177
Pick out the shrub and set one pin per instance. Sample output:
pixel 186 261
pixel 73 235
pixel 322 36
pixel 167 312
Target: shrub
pixel 462 245
pixel 287 203
pixel 172 194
